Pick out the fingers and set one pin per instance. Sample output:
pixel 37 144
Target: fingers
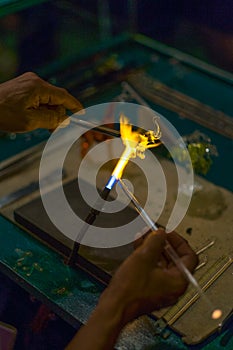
pixel 183 249
pixel 52 95
pixel 140 236
pixel 43 93
pixel 152 247
pixel 47 118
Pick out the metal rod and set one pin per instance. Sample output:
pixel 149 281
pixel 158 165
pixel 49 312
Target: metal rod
pixel 201 250
pixel 89 125
pixel 89 220
pixel 168 247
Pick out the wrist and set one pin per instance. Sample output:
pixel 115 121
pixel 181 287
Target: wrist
pixel 103 326
pixel 121 308
pixel 113 305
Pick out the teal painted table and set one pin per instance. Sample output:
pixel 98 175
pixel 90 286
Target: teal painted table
pixel 72 293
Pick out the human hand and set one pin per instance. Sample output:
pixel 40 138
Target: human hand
pixel 148 279
pixel 28 102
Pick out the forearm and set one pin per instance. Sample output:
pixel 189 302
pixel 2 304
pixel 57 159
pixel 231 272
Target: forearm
pixel 103 327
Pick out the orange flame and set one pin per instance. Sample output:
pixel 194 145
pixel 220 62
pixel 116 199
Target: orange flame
pixel 135 144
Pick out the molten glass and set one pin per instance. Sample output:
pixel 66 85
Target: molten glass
pixel 135 144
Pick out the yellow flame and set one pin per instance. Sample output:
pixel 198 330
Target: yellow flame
pixel 135 144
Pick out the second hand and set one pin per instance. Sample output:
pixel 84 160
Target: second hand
pixel 216 313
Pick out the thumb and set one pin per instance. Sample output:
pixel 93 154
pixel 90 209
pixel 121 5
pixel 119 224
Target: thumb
pixel 153 246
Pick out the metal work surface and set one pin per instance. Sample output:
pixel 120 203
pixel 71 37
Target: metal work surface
pixel 171 83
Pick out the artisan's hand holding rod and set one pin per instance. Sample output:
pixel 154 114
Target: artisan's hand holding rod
pixel 148 279
pixel 28 102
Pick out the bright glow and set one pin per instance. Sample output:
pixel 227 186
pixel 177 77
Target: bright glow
pixel 123 161
pixel 135 144
pixel 111 182
pixel 216 314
